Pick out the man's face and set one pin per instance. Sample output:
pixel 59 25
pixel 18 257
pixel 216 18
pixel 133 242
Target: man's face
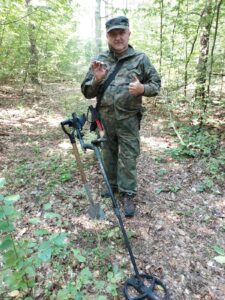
pixel 118 39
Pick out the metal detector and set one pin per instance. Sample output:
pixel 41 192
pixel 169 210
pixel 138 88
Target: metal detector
pixel 95 211
pixel 140 285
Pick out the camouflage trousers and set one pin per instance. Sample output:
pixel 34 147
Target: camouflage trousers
pixel 121 150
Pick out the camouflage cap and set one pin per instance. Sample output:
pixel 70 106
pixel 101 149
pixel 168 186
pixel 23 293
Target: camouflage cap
pixel 117 22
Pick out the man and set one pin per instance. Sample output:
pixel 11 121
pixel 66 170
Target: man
pixel 120 105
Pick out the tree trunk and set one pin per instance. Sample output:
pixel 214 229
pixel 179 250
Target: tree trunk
pixel 108 9
pixel 203 55
pixel 213 47
pixel 222 76
pixel 33 61
pixel 161 34
pixel 98 35
pixel 188 56
pixel 186 51
pixel 173 40
pixel 3 30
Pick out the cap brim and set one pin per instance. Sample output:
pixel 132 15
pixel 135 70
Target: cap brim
pixel 117 27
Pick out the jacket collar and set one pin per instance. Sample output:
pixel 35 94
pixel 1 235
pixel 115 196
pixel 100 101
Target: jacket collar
pixel 127 53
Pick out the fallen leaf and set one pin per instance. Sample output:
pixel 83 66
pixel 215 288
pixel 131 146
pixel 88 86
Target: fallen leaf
pixel 14 294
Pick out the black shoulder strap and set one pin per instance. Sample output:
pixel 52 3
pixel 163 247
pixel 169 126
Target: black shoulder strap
pixel 111 77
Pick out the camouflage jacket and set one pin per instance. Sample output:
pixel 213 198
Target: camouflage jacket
pixel 117 95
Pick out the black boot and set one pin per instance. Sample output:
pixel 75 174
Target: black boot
pixel 129 208
pixel 106 194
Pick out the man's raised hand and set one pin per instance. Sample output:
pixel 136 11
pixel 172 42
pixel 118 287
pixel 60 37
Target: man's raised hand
pixel 99 70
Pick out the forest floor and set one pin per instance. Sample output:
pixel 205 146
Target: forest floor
pixel 177 227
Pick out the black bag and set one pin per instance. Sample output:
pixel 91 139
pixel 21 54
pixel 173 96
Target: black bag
pixel 139 116
pixel 93 126
pixel 94 117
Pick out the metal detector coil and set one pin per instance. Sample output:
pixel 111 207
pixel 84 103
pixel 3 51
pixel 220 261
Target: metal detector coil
pixel 145 286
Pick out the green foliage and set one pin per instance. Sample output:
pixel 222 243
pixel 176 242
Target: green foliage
pixel 206 184
pixel 56 169
pixel 181 151
pixel 18 272
pixel 186 213
pixel 215 165
pixel 22 259
pixel 62 54
pixel 160 159
pixel 174 188
pixel 78 256
pixel 203 144
pixel 196 142
pixel 114 277
pixel 76 290
pixel 171 188
pixel 161 172
pixel 52 28
pixel 2 182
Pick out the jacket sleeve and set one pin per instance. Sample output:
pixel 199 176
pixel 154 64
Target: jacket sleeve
pixel 90 87
pixel 151 79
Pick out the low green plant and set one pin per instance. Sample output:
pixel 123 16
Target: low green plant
pixel 206 185
pixel 18 271
pixel 171 188
pixel 195 142
pixel 181 151
pixel 221 257
pixel 86 280
pixel 204 144
pixel 186 213
pixel 36 149
pixel 159 190
pixel 55 171
pixel 174 188
pixel 215 166
pixel 114 277
pixel 160 159
pixel 161 172
pixel 21 258
pixel 76 290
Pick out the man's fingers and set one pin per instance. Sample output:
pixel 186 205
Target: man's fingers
pixel 136 88
pixel 98 64
pixel 135 78
pixel 132 88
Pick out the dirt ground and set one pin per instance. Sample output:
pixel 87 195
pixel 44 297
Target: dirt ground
pixel 175 226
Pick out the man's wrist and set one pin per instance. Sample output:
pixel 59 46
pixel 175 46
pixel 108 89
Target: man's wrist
pixel 96 81
pixel 143 89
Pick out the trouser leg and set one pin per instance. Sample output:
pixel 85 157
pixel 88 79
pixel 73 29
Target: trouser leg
pixel 121 150
pixel 110 147
pixel 129 149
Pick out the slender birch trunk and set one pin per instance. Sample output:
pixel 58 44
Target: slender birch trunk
pixel 186 51
pixel 161 34
pixel 98 32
